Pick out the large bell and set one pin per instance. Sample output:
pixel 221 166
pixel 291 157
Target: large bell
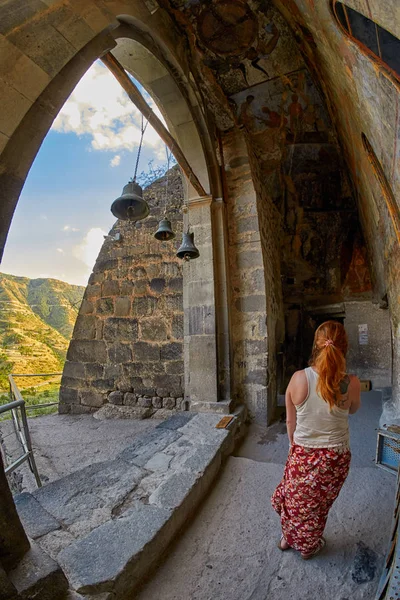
pixel 130 206
pixel 164 231
pixel 188 250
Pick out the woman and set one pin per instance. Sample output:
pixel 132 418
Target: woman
pixel 318 402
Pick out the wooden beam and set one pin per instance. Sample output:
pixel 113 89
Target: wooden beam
pixel 130 88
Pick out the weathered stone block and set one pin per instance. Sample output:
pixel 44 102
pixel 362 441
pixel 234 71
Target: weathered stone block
pixel 144 306
pixel 179 402
pixel 172 351
pixel 169 403
pixel 144 401
pixel 247 224
pixel 92 291
pixel 120 329
pixel 174 367
pixel 251 304
pixel 103 385
pixel 85 328
pixel 99 559
pixel 87 307
pixel 141 287
pixel 105 306
pixel 153 329
pixel 144 391
pixel 176 284
pixel 174 303
pixel 255 347
pixel 110 287
pixel 130 399
pixel 116 397
pixel 35 519
pixel 146 352
pixel 94 371
pixel 122 306
pixel 74 382
pixel 105 265
pixel 99 329
pixel 256 376
pixel 68 395
pixel 148 444
pixel 119 353
pixel 112 371
pixel 157 285
pixel 162 392
pixel 177 327
pixel 124 385
pixel 93 351
pixel 74 369
pixel 127 288
pixel 91 398
pixel 156 402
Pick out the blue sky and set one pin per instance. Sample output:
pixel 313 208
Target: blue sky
pixel 85 160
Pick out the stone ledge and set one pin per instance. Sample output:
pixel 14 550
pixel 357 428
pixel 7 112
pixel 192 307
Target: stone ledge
pixel 143 498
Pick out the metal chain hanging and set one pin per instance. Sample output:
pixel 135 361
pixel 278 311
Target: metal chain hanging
pixel 143 128
pixel 131 206
pixel 164 231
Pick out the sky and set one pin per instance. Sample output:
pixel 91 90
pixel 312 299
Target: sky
pixel 85 160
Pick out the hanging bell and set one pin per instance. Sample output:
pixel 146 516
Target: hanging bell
pixel 188 250
pixel 164 231
pixel 130 206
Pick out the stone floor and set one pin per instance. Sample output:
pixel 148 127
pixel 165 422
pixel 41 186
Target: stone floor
pixel 65 443
pixel 229 550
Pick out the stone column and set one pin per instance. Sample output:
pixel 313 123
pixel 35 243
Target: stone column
pixel 199 302
pixel 13 540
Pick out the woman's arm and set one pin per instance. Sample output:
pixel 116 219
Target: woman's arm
pixel 354 394
pixel 290 413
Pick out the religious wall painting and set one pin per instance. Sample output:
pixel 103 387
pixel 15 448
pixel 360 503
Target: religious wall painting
pixel 244 43
pixel 285 110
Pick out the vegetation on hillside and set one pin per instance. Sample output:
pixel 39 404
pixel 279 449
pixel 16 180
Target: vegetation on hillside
pixel 37 317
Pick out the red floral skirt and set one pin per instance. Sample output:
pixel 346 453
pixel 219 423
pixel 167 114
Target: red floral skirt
pixel 311 482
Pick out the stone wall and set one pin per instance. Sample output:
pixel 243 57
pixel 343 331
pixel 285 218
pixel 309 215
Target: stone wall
pixel 247 279
pixel 126 347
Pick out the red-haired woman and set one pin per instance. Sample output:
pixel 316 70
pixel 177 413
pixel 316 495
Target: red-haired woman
pixel 318 402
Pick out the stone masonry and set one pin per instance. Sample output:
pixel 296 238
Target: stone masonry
pixel 126 347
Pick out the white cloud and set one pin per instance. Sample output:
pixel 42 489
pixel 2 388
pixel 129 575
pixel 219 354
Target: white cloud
pixel 60 250
pixel 100 108
pixel 69 228
pixel 114 162
pixel 43 218
pixel 88 250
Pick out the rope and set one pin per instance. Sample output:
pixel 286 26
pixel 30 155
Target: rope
pixel 143 129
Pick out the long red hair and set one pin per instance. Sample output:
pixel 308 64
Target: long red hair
pixel 329 359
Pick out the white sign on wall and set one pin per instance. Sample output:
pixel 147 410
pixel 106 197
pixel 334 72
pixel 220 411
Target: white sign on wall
pixel 363 334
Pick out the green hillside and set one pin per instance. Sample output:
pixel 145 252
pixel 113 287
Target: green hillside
pixel 37 317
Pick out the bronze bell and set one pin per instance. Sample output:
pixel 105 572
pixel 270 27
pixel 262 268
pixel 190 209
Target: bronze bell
pixel 188 250
pixel 164 231
pixel 130 206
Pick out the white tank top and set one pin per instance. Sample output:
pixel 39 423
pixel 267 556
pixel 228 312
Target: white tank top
pixel 318 426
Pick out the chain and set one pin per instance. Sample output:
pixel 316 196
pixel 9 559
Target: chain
pixel 143 129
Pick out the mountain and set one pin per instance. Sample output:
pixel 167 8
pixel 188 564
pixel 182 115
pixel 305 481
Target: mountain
pixel 37 317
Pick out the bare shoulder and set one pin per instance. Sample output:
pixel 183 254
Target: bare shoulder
pixel 354 383
pixel 298 387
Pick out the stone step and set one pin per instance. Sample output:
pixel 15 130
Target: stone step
pixel 38 576
pixel 224 407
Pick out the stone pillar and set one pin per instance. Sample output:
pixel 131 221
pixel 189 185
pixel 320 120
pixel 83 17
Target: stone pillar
pixel 13 540
pixel 199 303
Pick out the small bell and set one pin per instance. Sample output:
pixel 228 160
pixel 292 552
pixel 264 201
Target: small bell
pixel 164 231
pixel 188 250
pixel 130 206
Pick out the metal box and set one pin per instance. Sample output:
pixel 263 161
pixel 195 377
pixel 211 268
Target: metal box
pixel 388 449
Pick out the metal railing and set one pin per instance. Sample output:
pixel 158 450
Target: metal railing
pixel 18 409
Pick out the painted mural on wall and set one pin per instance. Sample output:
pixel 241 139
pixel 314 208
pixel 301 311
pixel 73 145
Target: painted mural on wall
pixel 244 43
